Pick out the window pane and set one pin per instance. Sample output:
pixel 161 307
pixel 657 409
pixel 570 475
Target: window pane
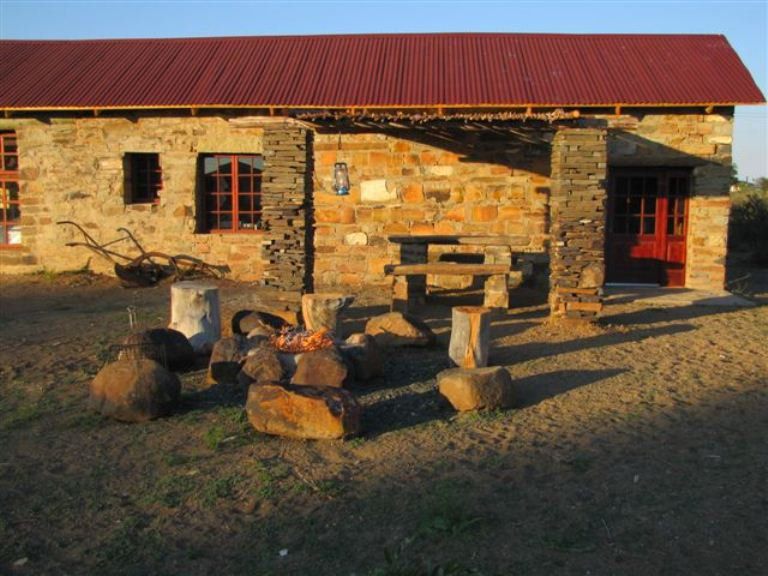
pixel 13 213
pixel 634 225
pixel 636 187
pixel 635 204
pixel 11 163
pixel 224 184
pixel 244 165
pixel 649 225
pixel 650 205
pixel 225 222
pixel 258 163
pixel 651 187
pixel 14 235
pixel 225 202
pixel 244 184
pixel 9 144
pixel 209 165
pixel 244 203
pixel 224 164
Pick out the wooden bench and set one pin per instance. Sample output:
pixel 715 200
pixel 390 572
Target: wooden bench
pixel 409 288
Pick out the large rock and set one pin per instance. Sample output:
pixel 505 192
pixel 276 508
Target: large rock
pixel 303 411
pixel 256 322
pixel 398 329
pixel 362 352
pixel 262 364
pixel 476 388
pixel 227 358
pixel 164 345
pixel 321 368
pixel 134 390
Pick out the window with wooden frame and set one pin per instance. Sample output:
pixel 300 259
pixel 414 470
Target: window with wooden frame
pixel 10 206
pixel 230 193
pixel 143 178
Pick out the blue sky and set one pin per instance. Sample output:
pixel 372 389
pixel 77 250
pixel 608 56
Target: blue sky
pixel 744 23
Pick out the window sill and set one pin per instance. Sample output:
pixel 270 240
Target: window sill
pixel 11 247
pixel 231 233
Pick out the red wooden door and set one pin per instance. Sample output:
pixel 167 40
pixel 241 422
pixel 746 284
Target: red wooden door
pixel 647 219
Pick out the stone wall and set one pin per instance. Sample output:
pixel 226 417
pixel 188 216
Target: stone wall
pixel 402 184
pixel 578 222
pixel 72 169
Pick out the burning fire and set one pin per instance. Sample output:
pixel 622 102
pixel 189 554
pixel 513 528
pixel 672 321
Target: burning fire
pixel 296 340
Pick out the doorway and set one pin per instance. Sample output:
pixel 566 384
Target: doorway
pixel 646 226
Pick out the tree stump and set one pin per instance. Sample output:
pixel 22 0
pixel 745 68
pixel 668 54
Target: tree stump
pixel 195 313
pixel 470 336
pixel 496 292
pixel 321 311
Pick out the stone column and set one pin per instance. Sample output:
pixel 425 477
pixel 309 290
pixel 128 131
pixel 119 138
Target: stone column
pixel 286 208
pixel 577 212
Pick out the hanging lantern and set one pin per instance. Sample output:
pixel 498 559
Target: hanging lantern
pixel 341 179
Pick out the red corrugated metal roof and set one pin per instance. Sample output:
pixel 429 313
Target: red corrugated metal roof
pixel 392 70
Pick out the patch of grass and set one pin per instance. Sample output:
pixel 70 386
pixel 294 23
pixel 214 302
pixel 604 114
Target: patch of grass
pixel 28 412
pixel 572 538
pixel 170 491
pixel 330 487
pixel 446 513
pixel 129 545
pixel 580 464
pixel 399 563
pixel 269 478
pixel 176 459
pixel 356 442
pixel 218 489
pixel 214 436
pixel 85 420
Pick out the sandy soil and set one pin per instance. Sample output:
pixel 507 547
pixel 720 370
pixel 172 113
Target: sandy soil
pixel 640 447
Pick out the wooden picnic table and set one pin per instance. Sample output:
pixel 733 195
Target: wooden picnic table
pixel 410 285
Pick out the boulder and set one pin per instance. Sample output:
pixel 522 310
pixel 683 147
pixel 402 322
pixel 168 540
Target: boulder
pixel 362 352
pixel 320 368
pixel 134 390
pixel 256 322
pixel 164 345
pixel 476 388
pixel 312 412
pixel 227 358
pixel 262 364
pixel 398 329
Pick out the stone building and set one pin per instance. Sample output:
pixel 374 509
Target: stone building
pixel 596 149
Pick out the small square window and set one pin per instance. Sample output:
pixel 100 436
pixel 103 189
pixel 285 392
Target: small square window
pixel 143 178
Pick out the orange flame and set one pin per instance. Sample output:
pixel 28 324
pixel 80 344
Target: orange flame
pixel 296 341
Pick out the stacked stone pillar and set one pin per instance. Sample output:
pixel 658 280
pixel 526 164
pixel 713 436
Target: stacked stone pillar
pixel 286 208
pixel 577 211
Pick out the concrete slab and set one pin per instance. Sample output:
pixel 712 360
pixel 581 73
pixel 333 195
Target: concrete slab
pixel 657 296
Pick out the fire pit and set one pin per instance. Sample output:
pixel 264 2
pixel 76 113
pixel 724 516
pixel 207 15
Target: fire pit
pixel 297 340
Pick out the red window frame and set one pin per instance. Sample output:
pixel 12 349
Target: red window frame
pixel 143 178
pixel 10 203
pixel 231 186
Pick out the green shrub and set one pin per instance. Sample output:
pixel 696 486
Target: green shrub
pixel 749 227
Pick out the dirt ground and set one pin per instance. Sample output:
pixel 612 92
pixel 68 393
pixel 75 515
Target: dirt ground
pixel 640 447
